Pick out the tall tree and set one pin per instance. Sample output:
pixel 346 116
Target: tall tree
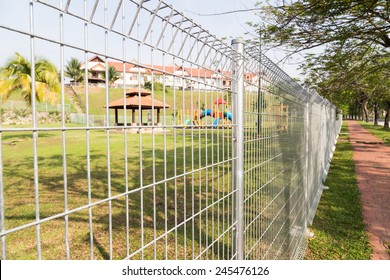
pixel 351 80
pixel 355 40
pixel 305 24
pixel 74 71
pixel 113 75
pixel 16 76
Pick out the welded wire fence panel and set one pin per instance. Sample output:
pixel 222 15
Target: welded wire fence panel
pixel 274 160
pixel 182 147
pixel 144 169
pixel 290 136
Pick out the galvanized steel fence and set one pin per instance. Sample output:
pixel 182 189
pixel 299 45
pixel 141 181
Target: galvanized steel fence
pixel 236 172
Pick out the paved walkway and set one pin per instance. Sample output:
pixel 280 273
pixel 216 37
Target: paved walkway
pixel 373 174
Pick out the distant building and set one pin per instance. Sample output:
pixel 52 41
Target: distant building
pixel 132 76
pixel 96 69
pixel 174 76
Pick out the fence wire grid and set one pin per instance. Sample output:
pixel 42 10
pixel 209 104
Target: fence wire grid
pixel 207 150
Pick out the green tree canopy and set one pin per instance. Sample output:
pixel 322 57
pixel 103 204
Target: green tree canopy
pixel 351 79
pixel 305 24
pixel 74 71
pixel 113 75
pixel 16 76
pixel 353 64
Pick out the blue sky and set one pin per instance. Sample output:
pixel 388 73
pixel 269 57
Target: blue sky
pixel 16 13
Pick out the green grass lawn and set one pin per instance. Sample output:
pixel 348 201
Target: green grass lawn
pixel 164 205
pixel 378 131
pixel 189 209
pixel 338 226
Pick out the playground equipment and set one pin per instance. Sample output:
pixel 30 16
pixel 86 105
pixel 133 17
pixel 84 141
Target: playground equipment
pixel 218 114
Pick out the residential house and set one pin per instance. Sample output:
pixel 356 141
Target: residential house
pixel 132 76
pixel 96 68
pixel 172 76
pixel 204 79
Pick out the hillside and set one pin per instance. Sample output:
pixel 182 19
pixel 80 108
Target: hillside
pixel 183 101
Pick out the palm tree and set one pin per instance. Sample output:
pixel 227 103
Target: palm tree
pixel 113 75
pixel 74 71
pixel 16 76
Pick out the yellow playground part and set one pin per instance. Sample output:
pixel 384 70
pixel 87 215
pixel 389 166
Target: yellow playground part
pixel 219 112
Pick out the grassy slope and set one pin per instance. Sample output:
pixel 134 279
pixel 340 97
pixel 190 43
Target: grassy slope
pixel 378 131
pixel 184 101
pixel 338 225
pixel 177 99
pixel 17 96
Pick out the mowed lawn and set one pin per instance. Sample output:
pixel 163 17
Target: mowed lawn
pixel 119 227
pixel 339 231
pixel 378 131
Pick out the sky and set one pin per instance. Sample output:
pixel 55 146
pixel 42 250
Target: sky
pixel 234 25
pixel 46 23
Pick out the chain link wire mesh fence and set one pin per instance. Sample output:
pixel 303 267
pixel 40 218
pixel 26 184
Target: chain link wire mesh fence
pixel 207 150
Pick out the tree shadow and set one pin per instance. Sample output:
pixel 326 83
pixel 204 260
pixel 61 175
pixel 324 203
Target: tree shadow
pixel 182 208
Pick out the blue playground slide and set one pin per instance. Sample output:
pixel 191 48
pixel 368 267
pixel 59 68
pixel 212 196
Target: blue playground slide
pixel 227 114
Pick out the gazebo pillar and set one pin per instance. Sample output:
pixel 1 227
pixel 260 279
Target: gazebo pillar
pixel 133 116
pixel 116 116
pixel 140 121
pixel 158 116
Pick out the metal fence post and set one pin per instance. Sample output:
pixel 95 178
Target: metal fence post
pixel 306 181
pixel 238 143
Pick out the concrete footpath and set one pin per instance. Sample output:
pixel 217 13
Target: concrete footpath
pixel 372 160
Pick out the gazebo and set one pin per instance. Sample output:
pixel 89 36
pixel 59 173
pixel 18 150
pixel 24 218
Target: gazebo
pixel 133 98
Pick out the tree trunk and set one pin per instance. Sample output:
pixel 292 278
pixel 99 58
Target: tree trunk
pixel 365 110
pixel 376 113
pixel 387 117
pixel 359 110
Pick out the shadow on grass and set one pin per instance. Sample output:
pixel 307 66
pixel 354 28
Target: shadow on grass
pixel 183 209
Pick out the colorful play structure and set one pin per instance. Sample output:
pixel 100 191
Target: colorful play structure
pixel 279 116
pixel 220 113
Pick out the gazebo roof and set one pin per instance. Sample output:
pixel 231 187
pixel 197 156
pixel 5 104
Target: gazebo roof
pixel 133 98
pixel 137 91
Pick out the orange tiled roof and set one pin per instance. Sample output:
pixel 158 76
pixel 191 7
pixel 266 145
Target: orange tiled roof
pixel 133 99
pixel 128 66
pixel 137 91
pixel 200 72
pixel 161 69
